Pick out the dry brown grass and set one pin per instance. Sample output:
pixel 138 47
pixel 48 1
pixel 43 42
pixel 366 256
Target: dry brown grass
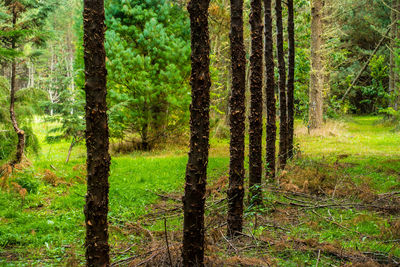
pixel 331 128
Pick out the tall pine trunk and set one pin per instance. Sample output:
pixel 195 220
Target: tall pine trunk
pixel 283 129
pixel 256 107
pixel 196 170
pixel 97 135
pixel 270 93
pixel 290 81
pixel 20 133
pixel 316 76
pixel 393 75
pixel 237 121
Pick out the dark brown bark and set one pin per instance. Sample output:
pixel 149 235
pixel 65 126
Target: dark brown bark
pixel 270 93
pixel 290 81
pixel 97 135
pixel 283 129
pixel 237 121
pixel 256 107
pixel 20 133
pixel 196 170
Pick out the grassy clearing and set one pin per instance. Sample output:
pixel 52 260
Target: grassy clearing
pixel 355 162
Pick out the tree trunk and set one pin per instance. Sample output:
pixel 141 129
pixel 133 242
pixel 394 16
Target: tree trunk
pixel 196 170
pixel 256 107
pixel 392 53
pixel 290 81
pixel 393 75
pixel 316 76
pixel 20 133
pixel 97 135
pixel 270 93
pixel 283 129
pixel 237 121
pixel 73 143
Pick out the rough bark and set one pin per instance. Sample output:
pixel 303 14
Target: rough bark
pixel 20 133
pixel 316 75
pixel 283 129
pixel 256 106
pixel 393 75
pixel 290 81
pixel 270 93
pixel 196 170
pixel 97 135
pixel 392 45
pixel 237 121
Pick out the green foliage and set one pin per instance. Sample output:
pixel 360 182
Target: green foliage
pixel 30 18
pixel 374 96
pixel 359 26
pixel 148 52
pixel 27 104
pixel 27 181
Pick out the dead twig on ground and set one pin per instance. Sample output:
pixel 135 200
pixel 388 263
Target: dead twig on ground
pixel 166 240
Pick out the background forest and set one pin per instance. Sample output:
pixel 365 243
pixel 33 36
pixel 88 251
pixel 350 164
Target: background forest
pixel 338 200
pixel 148 60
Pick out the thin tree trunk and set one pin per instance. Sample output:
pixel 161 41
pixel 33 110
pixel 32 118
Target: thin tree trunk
pixel 20 133
pixel 392 52
pixel 316 78
pixel 256 107
pixel 237 121
pixel 97 135
pixel 396 81
pixel 74 141
pixel 290 82
pixel 283 129
pixel 270 93
pixel 196 170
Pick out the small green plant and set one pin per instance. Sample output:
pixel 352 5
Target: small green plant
pixel 29 183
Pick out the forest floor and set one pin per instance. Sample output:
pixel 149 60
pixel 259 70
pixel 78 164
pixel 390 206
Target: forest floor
pixel 337 203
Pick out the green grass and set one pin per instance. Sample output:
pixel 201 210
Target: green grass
pixel 48 226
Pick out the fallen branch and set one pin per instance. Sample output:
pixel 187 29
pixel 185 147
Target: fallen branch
pixel 166 240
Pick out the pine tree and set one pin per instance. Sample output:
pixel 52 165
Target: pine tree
pixel 393 66
pixel 290 81
pixel 148 62
pixel 22 26
pixel 237 121
pixel 256 109
pixel 98 158
pixel 196 170
pixel 316 75
pixel 283 127
pixel 270 93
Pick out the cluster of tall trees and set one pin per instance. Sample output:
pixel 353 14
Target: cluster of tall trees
pixel 148 64
pixel 196 174
pixel 194 199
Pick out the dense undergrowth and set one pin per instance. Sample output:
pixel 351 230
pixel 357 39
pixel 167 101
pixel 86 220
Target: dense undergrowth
pixel 337 203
